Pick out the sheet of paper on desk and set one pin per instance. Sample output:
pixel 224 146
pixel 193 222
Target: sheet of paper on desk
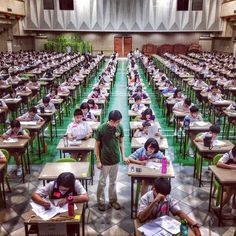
pixel 28 123
pixel 153 165
pixel 200 123
pixel 141 140
pixel 51 212
pixel 151 228
pixel 218 143
pixel 10 140
pixel 152 130
pixel 75 143
pixel 169 224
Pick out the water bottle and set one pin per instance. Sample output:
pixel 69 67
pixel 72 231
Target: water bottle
pixel 184 228
pixel 65 140
pixel 163 165
pixel 71 210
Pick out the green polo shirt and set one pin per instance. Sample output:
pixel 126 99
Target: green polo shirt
pixel 109 138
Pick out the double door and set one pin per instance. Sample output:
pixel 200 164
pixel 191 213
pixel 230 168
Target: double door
pixel 123 45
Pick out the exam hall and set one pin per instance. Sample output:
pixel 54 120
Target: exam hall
pixel 118 117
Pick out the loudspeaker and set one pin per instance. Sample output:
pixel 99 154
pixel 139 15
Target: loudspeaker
pixel 66 5
pixel 182 5
pixel 48 4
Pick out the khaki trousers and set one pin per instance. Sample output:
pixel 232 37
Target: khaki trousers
pixel 111 171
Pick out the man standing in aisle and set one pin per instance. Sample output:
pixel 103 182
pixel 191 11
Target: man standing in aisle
pixel 109 147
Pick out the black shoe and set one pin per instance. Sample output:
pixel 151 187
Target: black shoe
pixel 101 207
pixel 115 205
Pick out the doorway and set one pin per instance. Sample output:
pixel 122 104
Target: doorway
pixel 123 45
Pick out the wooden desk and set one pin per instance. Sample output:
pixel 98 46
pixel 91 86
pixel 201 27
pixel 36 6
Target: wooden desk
pixel 31 219
pixel 194 128
pixel 146 102
pixel 93 124
pixel 226 177
pixel 145 173
pixel 231 115
pixel 38 128
pixel 21 144
pixel 2 187
pixel 49 117
pixel 206 153
pixel 97 113
pixel 80 170
pixel 86 145
pixel 138 143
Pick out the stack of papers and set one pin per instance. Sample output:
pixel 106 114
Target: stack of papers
pixel 141 140
pixel 52 211
pixel 163 226
pixel 10 140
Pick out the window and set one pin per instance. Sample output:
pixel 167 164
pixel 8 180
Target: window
pixel 48 4
pixel 197 5
pixel 182 5
pixel 66 5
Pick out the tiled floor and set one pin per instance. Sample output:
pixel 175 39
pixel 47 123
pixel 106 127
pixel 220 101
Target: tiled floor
pixel 192 199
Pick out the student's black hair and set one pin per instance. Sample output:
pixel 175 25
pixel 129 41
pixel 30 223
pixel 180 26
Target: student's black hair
pixel 115 115
pixel 46 100
pixel 33 109
pixel 215 129
pixel 214 87
pixel 153 143
pixel 66 179
pixel 146 124
pixel 137 97
pixel 97 89
pixel 15 124
pixel 234 151
pixel 193 109
pixel 138 89
pixel 187 101
pixel 84 105
pixel 176 92
pixel 148 111
pixel 91 101
pixel 78 112
pixel 162 186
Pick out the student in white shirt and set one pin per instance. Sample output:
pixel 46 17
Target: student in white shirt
pixel 158 202
pixel 65 185
pixel 138 106
pixel 228 161
pixel 79 130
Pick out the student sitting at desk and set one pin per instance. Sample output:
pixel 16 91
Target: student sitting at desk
pixel 228 161
pixel 16 132
pixel 34 84
pixel 158 202
pixel 92 104
pixel 150 152
pixel 87 115
pixel 199 83
pixel 79 130
pixel 102 88
pixel 47 105
pixel 96 94
pixel 53 94
pixel 139 92
pixel 12 94
pixel 138 106
pixel 22 87
pixel 143 131
pixel 147 115
pixel 169 89
pixel 65 185
pixel 3 159
pixel 31 115
pixel 183 106
pixel 221 79
pixel 214 131
pixel 214 95
pixel 192 117
pixel 178 96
